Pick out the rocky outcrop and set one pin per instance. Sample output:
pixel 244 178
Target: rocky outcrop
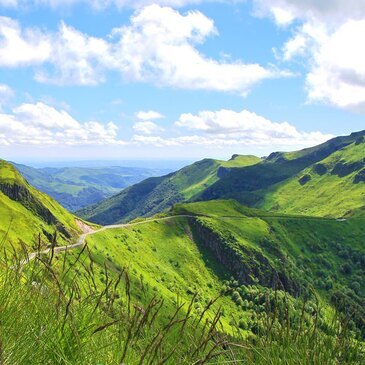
pixel 21 194
pixel 320 169
pixel 305 179
pixel 245 264
pixel 342 169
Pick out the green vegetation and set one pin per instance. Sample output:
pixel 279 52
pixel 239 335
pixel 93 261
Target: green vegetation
pixel 77 187
pixel 29 217
pixel 335 186
pixel 207 280
pixel 325 180
pixel 155 195
pixel 222 283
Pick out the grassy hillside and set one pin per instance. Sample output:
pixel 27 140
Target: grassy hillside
pixel 211 282
pixel 223 240
pixel 326 180
pixel 27 214
pixel 155 195
pixel 77 187
pixel 334 186
pixel 215 282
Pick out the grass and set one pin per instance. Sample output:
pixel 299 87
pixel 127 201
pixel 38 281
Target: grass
pixel 323 195
pixel 68 317
pixel 180 257
pixel 30 214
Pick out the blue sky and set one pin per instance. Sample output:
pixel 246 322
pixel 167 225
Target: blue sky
pixel 177 79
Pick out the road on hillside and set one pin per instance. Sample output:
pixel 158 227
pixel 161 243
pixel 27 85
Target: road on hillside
pixel 82 239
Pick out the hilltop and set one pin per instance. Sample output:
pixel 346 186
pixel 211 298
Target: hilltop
pixel 158 194
pixel 325 180
pixel 28 215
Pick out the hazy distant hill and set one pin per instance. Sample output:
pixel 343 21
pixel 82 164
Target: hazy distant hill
pixel 154 195
pixel 77 187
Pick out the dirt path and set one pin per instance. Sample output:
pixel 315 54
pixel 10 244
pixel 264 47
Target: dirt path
pixel 88 231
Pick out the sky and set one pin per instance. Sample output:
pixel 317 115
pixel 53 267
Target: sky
pixel 177 79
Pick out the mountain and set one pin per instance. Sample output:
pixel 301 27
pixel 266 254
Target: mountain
pixel 208 282
pixel 221 247
pixel 27 214
pixel 157 194
pixel 212 280
pixel 325 180
pixel 77 187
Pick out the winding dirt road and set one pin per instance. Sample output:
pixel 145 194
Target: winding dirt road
pixel 88 231
pixel 82 239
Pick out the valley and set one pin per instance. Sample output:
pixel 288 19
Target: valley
pixel 321 181
pixel 237 276
pixel 77 187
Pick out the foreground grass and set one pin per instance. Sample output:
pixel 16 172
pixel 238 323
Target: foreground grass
pixel 53 312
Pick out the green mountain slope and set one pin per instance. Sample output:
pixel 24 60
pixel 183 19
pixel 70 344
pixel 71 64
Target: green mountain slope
pixel 77 187
pixel 326 180
pixel 155 195
pixel 332 187
pixel 209 282
pixel 27 214
pixel 223 247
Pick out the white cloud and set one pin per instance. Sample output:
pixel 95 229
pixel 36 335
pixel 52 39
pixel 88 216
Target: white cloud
pixel 101 4
pixel 246 128
pixel 67 56
pixel 43 125
pixel 22 47
pixel 330 39
pixel 147 128
pixel 149 115
pixel 329 11
pixel 337 75
pixel 77 58
pixel 159 46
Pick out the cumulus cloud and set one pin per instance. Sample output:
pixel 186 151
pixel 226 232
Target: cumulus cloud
pixel 43 125
pixel 247 128
pixel 22 47
pixel 77 58
pixel 149 115
pixel 328 11
pixel 329 37
pixel 159 46
pixel 147 128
